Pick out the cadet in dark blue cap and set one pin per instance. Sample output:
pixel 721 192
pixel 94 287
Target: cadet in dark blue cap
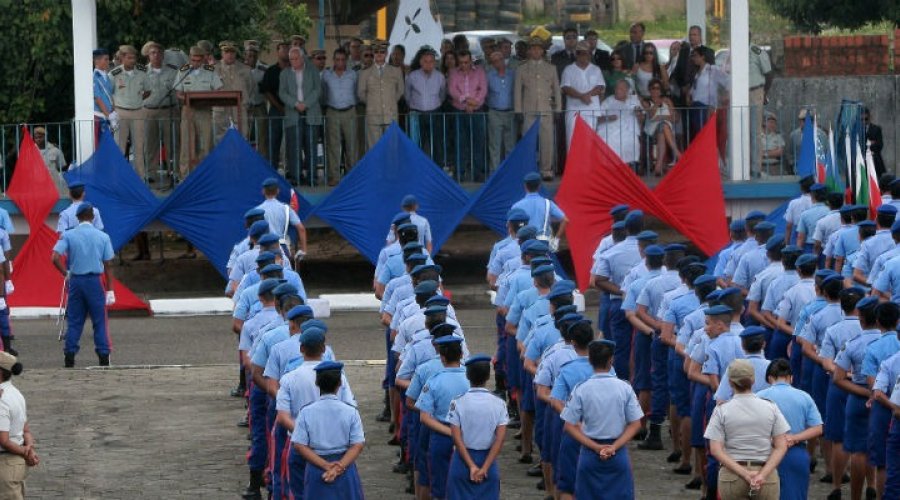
pixel 795 208
pixel 328 435
pixel 751 220
pixel 542 213
pixel 68 218
pixel 247 260
pixel 881 243
pixel 738 231
pixel 881 261
pixel 281 217
pixel 434 406
pixel 753 341
pixel 846 223
pixel 754 260
pixel 394 266
pixel 250 216
pixel 88 254
pixel 848 240
pixel 828 224
pixel 791 304
pixel 104 114
pixel 603 415
pixel 806 224
pixel 610 271
pixel 761 282
pixel 616 235
pixel 477 422
pixel 394 248
pixel 410 204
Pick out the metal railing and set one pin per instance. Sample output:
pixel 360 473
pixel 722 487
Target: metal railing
pixel 467 146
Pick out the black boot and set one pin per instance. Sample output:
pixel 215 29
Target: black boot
pixel 256 482
pixel 500 384
pixel 241 388
pixel 7 346
pixel 70 360
pixel 654 439
pixel 386 413
pixel 104 359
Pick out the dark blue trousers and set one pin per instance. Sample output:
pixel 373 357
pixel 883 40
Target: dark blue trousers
pixel 87 298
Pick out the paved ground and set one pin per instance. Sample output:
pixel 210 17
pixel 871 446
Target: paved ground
pixel 168 432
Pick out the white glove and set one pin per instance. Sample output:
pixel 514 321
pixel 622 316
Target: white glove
pixel 10 288
pixel 113 120
pixel 299 255
pixel 110 298
pixel 2 303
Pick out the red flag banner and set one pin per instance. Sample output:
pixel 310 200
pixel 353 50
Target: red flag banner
pixel 38 283
pixel 596 179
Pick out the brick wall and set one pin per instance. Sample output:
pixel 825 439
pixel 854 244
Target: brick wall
pixel 839 55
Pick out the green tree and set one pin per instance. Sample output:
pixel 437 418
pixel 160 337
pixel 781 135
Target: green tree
pixel 36 84
pixel 814 15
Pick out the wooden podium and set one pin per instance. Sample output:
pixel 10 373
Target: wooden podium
pixel 209 100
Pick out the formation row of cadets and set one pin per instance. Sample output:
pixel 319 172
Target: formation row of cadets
pixel 305 430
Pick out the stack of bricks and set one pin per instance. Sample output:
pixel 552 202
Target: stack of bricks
pixel 807 56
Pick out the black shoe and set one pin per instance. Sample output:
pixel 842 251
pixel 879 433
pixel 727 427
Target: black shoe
pixel 11 351
pixel 401 468
pixel 526 459
pixel 238 391
pixel 826 478
pixel 834 495
pixel 683 470
pixel 70 360
pixel 394 441
pixel 654 439
pixel 674 457
pixel 845 478
pixel 871 494
pixel 535 471
pixel 540 486
pixel 641 435
pixel 391 428
pixel 812 465
pixel 256 482
pixel 244 422
pixel 518 436
pixel 385 416
pixel 104 359
pixel 694 484
pixel 519 447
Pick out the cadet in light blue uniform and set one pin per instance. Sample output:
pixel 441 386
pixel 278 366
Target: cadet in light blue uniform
pixel 792 303
pixel 571 373
pixel 811 216
pixel 6 222
pixel 738 230
pixel 298 389
pixel 392 248
pixel 477 424
pixel 242 263
pixel 805 421
pixel 328 434
pixel 281 217
pixel 394 265
pixel 542 213
pixel 618 214
pixel 250 216
pixel 882 242
pixel 754 260
pixel 760 285
pixel 887 394
pixel 287 273
pixel 409 204
pixel 795 208
pixel 848 377
pixel 800 364
pixel 878 265
pixel 750 222
pixel 434 406
pixel 813 334
pixel 88 254
pixel 827 225
pixel 774 293
pixel 68 218
pixel 602 414
pixel 847 241
pixel 611 269
pixel 845 215
pixel 752 342
pixel 643 338
pixel 886 315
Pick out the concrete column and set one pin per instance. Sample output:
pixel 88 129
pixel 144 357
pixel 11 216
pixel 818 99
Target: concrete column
pixel 739 117
pixel 696 16
pixel 84 41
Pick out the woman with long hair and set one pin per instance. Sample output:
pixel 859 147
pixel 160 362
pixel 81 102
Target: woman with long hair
pixel 647 69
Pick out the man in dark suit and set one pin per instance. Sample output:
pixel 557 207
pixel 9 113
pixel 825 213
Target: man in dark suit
pixel 875 140
pixel 566 56
pixel 599 57
pixel 635 49
pixel 684 71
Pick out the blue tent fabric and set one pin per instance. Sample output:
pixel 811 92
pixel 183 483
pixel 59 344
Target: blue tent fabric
pixel 775 217
pixel 208 206
pixel 504 187
pixel 112 185
pixel 360 208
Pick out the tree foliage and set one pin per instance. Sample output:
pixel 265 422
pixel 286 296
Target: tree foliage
pixel 36 83
pixel 814 15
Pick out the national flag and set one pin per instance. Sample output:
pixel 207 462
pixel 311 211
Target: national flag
pixel 825 161
pixel 295 203
pixel 806 160
pixel 870 195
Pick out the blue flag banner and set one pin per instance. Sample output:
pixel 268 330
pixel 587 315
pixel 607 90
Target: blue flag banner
pixel 806 159
pixel 208 206
pixel 361 207
pixel 125 203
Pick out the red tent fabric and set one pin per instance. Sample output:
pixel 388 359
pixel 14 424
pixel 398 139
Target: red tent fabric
pixel 38 283
pixel 596 179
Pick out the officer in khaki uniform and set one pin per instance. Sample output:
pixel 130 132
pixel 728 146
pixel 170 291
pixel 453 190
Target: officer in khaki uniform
pixel 130 88
pixel 760 80
pixel 235 76
pixel 159 106
pixel 208 56
pixel 380 87
pixel 256 105
pixel 195 77
pixel 537 95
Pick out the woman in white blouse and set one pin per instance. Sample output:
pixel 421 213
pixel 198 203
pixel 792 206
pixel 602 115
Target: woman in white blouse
pixel 16 442
pixel 619 123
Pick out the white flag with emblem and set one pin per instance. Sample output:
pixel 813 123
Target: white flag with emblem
pixel 415 27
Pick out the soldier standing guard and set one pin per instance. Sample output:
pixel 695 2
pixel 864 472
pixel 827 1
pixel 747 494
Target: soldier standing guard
pixel 537 96
pixel 130 89
pixel 235 76
pixel 88 251
pixel 195 77
pixel 380 87
pixel 159 109
pixel 256 103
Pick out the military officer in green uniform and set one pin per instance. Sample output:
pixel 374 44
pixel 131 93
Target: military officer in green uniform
pixel 195 77
pixel 536 95
pixel 235 76
pixel 159 106
pixel 760 79
pixel 130 88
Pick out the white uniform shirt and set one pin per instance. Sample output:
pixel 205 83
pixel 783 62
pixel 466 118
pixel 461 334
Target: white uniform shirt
pixel 12 413
pixel 582 80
